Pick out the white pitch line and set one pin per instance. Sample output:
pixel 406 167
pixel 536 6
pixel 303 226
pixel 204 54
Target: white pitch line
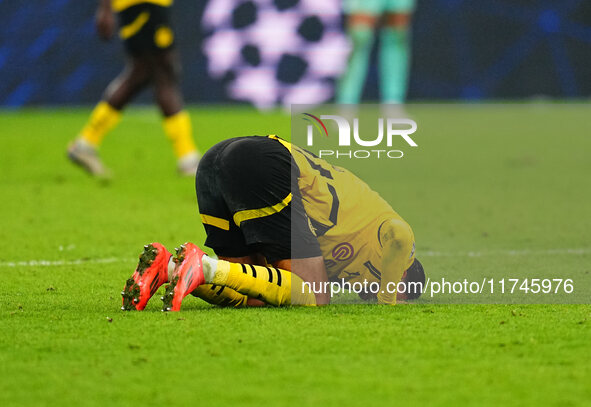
pixel 525 252
pixel 428 253
pixel 58 263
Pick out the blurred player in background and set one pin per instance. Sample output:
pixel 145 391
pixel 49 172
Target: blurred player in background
pixel 393 17
pixel 145 30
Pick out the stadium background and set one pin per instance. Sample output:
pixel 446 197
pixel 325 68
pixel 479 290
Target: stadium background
pixel 477 49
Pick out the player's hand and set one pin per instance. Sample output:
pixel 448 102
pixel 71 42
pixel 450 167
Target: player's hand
pixel 368 296
pixel 386 298
pixel 389 300
pixel 105 23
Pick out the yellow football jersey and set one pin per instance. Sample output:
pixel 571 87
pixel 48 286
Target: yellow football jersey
pixel 120 5
pixel 345 215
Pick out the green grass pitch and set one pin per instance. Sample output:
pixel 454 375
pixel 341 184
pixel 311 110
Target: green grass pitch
pixel 510 183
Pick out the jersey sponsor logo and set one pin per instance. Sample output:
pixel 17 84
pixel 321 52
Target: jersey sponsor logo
pixel 343 251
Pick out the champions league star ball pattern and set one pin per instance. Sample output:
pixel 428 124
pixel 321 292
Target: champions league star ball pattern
pixel 276 51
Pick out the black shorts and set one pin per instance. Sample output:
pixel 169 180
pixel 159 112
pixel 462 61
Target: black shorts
pixel 145 28
pixel 249 201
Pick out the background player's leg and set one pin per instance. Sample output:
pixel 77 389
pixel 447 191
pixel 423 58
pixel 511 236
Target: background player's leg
pixel 394 57
pixel 134 78
pixel 177 123
pixel 107 114
pixel 118 94
pixel 167 70
pixel 361 28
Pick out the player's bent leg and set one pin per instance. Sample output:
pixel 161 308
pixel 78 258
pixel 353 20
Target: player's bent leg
pixel 360 28
pixel 397 240
pixel 269 284
pixel 394 58
pixel 220 296
pixel 150 273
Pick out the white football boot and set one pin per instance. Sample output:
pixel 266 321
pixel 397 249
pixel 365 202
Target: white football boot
pixel 85 155
pixel 187 164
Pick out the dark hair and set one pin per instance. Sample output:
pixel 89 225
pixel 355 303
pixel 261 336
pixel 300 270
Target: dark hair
pixel 416 275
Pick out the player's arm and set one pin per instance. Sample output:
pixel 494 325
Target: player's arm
pixel 105 20
pixel 311 270
pixel 397 241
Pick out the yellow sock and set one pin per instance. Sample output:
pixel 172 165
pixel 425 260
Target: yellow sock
pixel 220 295
pixel 102 119
pixel 269 284
pixel 178 129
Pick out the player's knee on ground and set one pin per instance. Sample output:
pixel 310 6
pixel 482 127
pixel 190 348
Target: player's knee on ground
pixel 220 295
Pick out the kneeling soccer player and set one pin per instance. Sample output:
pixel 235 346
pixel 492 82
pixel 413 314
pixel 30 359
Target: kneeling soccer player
pixel 283 223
